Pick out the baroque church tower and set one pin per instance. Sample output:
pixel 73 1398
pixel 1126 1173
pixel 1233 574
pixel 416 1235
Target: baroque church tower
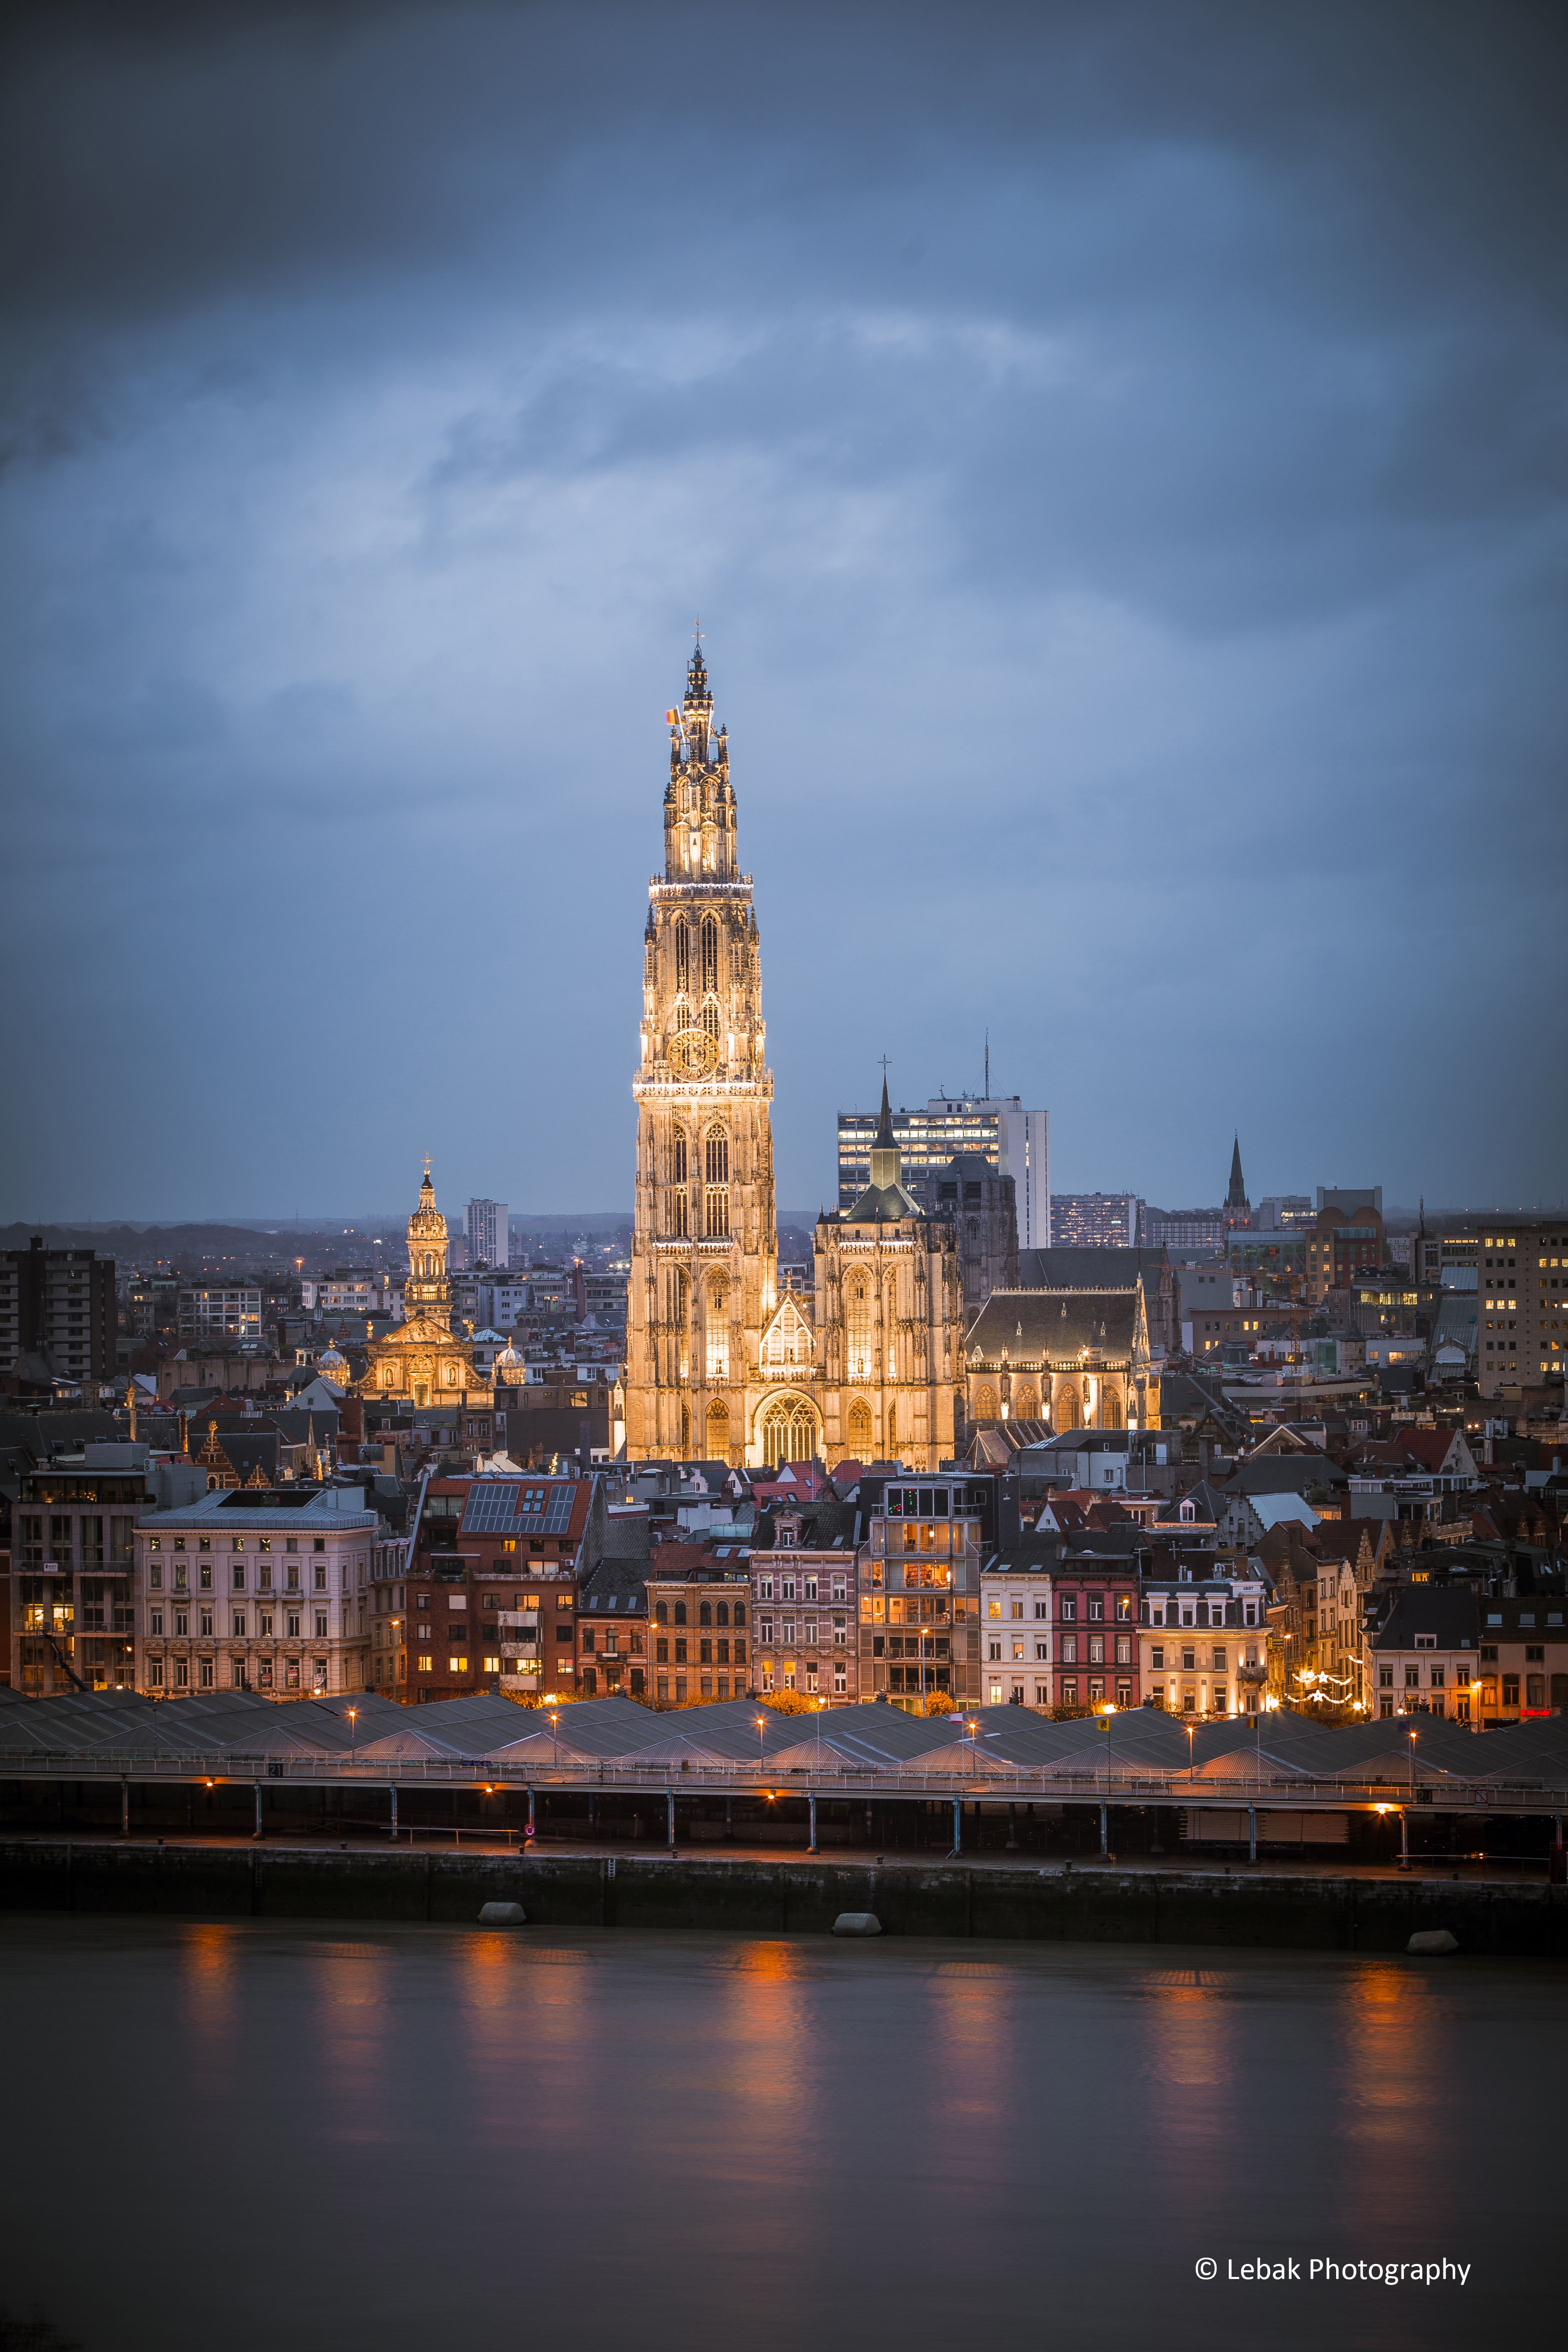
pixel 704 1274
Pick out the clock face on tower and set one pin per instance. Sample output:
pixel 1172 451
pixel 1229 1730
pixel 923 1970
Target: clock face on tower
pixel 693 1050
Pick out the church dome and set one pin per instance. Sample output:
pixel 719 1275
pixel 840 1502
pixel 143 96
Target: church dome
pixel 508 1365
pixel 334 1367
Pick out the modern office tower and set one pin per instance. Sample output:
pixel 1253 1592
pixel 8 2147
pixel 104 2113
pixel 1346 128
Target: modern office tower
pixel 1096 1221
pixel 486 1225
pixel 1015 1141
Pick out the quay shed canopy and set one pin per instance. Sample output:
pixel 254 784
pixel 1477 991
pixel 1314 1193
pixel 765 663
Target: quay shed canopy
pixel 863 1738
pixel 723 1734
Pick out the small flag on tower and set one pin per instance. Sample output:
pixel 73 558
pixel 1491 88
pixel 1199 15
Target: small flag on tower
pixel 671 720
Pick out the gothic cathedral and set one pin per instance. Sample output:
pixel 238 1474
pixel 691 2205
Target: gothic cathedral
pixel 719 1366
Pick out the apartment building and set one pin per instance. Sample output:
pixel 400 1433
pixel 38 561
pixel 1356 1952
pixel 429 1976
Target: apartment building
pixel 70 1594
pixel 484 1594
pixel 256 1588
pixel 220 1310
pixel 58 1315
pixel 1015 1630
pixel 1522 1302
pixel 699 1601
pixel 1203 1642
pixel 919 1593
pixel 805 1614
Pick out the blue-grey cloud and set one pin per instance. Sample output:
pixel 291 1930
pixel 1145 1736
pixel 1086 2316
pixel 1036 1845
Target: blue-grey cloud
pixel 1118 451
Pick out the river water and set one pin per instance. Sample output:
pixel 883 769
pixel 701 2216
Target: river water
pixel 260 2136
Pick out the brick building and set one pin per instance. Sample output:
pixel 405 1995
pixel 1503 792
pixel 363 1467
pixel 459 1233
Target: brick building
pixel 697 1607
pixel 484 1596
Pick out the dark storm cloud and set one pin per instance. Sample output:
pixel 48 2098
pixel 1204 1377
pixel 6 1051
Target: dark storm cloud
pixel 1119 452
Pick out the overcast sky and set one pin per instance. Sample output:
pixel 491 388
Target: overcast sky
pixel 1117 452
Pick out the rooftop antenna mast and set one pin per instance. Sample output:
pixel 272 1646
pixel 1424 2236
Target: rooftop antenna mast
pixel 988 1065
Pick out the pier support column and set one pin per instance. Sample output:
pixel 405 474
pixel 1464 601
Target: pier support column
pixel 1104 1831
pixel 531 1821
pixel 811 1811
pixel 957 1827
pixel 257 1830
pixel 1012 1827
pixel 1404 1839
pixel 125 1809
pixel 394 1793
pixel 670 1816
pixel 729 1817
pixel 1252 1834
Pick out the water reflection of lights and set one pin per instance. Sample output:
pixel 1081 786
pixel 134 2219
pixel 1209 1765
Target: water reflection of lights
pixel 1389 2053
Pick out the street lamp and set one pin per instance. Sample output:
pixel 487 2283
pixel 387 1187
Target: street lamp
pixel 1191 1732
pixel 973 1727
pixel 762 1755
pixel 554 1736
pixel 353 1733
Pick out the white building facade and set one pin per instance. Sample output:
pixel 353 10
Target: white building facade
pixel 251 1589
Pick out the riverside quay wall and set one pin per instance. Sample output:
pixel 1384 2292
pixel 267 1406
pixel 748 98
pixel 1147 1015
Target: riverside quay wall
pixel 1096 1905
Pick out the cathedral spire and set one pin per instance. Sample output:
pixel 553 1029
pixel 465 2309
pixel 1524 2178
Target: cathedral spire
pixel 887 1165
pixel 1236 1196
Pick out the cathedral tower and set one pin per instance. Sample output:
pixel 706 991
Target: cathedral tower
pixel 704 1246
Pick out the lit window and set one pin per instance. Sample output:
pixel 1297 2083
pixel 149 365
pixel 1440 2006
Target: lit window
pixel 457 1665
pixel 492 1665
pixel 427 1665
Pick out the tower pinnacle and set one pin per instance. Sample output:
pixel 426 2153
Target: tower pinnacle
pixel 698 804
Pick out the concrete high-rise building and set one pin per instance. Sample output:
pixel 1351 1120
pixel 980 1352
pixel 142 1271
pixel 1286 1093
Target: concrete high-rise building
pixel 488 1227
pixel 1016 1142
pixel 58 1314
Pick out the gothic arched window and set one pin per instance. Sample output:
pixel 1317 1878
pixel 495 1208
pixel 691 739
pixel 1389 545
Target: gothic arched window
pixel 1110 1411
pixel 678 1225
pixel 719 1432
pixel 705 1614
pixel 857 1332
pixel 1068 1414
pixel 720 1613
pixel 682 957
pixel 716 1168
pixel 710 1019
pixel 1025 1403
pixel 986 1402
pixel 709 956
pixel 860 1429
pixel 789 1432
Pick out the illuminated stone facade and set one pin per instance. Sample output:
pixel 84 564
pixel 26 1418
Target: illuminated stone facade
pixel 425 1361
pixel 720 1367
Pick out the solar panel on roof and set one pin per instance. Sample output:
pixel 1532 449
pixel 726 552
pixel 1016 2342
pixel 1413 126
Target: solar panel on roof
pixel 508 1506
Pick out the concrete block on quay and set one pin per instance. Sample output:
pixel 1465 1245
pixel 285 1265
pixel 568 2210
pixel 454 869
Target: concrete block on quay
pixel 857 1923
pixel 1432 1941
pixel 502 1914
